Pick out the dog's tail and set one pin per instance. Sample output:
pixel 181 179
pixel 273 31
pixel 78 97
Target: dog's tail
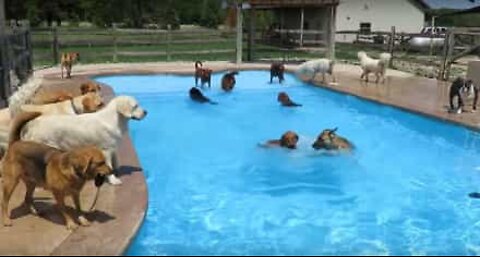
pixel 23 95
pixel 18 123
pixel 385 59
pixel 198 64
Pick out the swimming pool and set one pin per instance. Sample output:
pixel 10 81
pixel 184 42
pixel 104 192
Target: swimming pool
pixel 403 191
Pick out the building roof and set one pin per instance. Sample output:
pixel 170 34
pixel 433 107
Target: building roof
pixel 266 4
pixel 450 4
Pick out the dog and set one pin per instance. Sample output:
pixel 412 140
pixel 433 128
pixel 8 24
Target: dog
pixel 204 74
pixel 51 97
pixel 104 129
pixel 228 81
pixel 458 87
pixel 67 61
pixel 378 67
pixel 90 87
pixel 62 173
pixel 197 96
pixel 329 140
pixel 277 70
pixel 288 140
pixel 90 102
pixel 323 66
pixel 55 96
pixel 24 95
pixel 285 100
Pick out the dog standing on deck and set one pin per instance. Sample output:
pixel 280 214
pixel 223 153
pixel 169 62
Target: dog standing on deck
pixel 277 70
pixel 67 61
pixel 378 67
pixel 104 129
pixel 62 173
pixel 204 74
pixel 313 67
pixel 459 86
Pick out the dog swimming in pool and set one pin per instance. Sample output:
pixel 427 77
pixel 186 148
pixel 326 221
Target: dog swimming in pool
pixel 197 96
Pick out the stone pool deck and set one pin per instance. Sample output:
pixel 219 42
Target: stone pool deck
pixel 121 210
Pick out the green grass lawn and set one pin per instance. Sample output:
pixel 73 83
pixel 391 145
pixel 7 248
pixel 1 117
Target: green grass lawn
pixel 96 46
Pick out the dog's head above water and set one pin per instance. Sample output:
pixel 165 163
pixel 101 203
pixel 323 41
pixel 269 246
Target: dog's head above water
pixel 289 140
pixel 129 108
pixel 326 140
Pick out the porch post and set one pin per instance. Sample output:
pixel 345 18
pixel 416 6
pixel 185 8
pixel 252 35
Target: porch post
pixel 239 32
pixel 302 22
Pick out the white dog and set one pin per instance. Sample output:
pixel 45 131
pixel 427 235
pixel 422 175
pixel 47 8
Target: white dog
pixel 104 129
pixel 369 65
pixel 24 95
pixel 323 66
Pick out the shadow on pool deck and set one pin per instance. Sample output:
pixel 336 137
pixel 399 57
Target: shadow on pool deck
pixel 121 210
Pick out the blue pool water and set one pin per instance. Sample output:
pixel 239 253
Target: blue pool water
pixel 213 191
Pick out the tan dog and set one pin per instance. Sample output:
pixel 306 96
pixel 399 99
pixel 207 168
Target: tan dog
pixel 90 87
pixel 204 74
pixel 90 102
pixel 288 140
pixel 285 100
pixel 52 97
pixel 67 61
pixel 329 140
pixel 62 173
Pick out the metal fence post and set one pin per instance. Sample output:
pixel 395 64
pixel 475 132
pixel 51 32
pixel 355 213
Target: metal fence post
pixel 115 47
pixel 391 46
pixel 55 47
pixel 169 41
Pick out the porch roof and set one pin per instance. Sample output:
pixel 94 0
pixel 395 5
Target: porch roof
pixel 272 4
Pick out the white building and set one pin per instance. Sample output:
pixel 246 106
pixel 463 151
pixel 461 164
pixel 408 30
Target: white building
pixel 379 15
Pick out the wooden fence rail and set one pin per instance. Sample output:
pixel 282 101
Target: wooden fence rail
pixel 131 43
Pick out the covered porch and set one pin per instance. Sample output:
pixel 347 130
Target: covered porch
pixel 297 24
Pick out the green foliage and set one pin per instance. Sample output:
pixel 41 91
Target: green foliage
pixel 129 13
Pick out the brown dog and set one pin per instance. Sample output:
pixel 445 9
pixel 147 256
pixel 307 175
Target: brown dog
pixel 228 81
pixel 56 96
pixel 62 173
pixel 67 61
pixel 285 100
pixel 277 70
pixel 51 97
pixel 288 140
pixel 90 87
pixel 204 74
pixel 329 140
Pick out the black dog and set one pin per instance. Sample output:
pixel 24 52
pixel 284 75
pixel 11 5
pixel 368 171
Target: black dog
pixel 456 89
pixel 277 70
pixel 197 96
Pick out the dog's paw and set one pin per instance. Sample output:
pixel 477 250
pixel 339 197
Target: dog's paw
pixel 34 211
pixel 71 226
pixel 83 221
pixel 113 180
pixel 7 222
